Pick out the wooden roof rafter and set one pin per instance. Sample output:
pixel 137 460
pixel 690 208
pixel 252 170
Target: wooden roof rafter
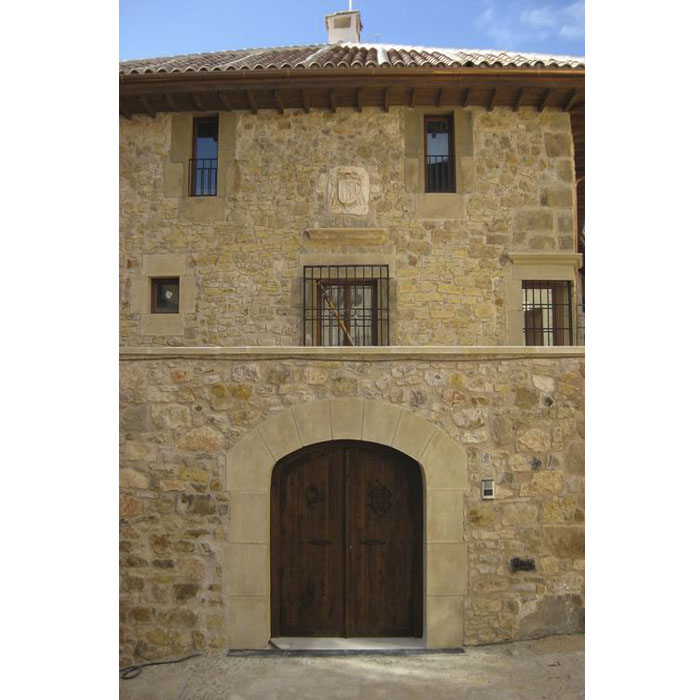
pixel 223 99
pixel 197 102
pixel 147 106
pixel 279 102
pixel 519 99
pixel 492 100
pixel 252 103
pixel 124 111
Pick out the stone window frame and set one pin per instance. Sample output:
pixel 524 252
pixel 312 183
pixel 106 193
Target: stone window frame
pixel 176 167
pixel 533 267
pixel 154 266
pixel 439 205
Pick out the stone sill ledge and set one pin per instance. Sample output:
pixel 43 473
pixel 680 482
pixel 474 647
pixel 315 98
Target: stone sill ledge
pixel 350 354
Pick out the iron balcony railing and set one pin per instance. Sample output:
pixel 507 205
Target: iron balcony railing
pixel 439 173
pixel 203 174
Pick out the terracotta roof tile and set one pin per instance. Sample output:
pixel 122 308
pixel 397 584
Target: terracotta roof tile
pixel 345 55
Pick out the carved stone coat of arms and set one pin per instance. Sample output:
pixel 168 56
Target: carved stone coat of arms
pixel 348 190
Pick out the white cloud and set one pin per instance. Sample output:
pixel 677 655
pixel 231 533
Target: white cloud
pixel 519 21
pixel 539 17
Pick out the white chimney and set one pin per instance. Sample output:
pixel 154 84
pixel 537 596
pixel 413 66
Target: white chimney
pixel 344 26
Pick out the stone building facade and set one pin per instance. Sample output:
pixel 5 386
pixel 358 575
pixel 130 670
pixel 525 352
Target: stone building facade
pixel 217 392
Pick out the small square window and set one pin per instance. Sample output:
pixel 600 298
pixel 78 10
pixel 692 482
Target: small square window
pixel 165 295
pixel 487 491
pixel 439 154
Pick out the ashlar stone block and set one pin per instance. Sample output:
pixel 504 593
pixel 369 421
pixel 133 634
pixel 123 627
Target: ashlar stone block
pixel 346 418
pixel 445 516
pixel 280 434
pixel 249 464
pixel 412 435
pixel 248 622
pixel 314 421
pixel 380 421
pixel 445 621
pixel 447 569
pixel 245 569
pixel 250 517
pixel 445 464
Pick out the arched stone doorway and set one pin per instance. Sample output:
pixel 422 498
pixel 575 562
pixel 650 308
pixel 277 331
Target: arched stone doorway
pixel 245 554
pixel 346 542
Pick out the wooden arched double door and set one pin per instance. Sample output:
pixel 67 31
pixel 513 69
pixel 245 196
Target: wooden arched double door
pixel 346 542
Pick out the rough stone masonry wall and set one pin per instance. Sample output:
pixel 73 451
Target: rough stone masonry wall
pixel 448 273
pixel 521 422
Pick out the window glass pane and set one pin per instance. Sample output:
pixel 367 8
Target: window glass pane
pixel 438 138
pixel 166 296
pixel 207 139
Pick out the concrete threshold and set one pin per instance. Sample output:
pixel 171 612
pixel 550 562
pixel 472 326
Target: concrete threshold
pixel 340 646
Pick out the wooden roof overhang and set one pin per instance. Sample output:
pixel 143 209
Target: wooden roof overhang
pixel 358 88
pixel 329 89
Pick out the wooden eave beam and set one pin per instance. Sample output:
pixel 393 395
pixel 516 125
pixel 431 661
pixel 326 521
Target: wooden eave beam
pixel 197 102
pixel 223 98
pixel 332 100
pixel 252 104
pixel 170 101
pixel 441 97
pixel 279 102
pixel 492 100
pixel 543 101
pixel 305 100
pixel 147 106
pixel 358 99
pixel 413 97
pixel 571 99
pixel 519 99
pixel 465 99
pixel 386 99
pixel 123 110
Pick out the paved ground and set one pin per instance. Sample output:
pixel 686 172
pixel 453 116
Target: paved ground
pixel 551 669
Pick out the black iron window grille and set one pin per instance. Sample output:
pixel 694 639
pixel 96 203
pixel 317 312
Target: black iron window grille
pixel 203 174
pixel 548 313
pixel 345 305
pixel 439 154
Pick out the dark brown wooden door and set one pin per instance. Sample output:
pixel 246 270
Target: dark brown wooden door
pixel 346 526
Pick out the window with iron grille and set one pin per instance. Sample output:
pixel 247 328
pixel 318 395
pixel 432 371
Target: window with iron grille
pixel 439 154
pixel 547 312
pixel 346 305
pixel 205 153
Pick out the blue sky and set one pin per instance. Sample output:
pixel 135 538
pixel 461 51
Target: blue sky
pixel 149 28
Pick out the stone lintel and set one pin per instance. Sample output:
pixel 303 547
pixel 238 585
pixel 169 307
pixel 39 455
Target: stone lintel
pixel 575 259
pixel 347 236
